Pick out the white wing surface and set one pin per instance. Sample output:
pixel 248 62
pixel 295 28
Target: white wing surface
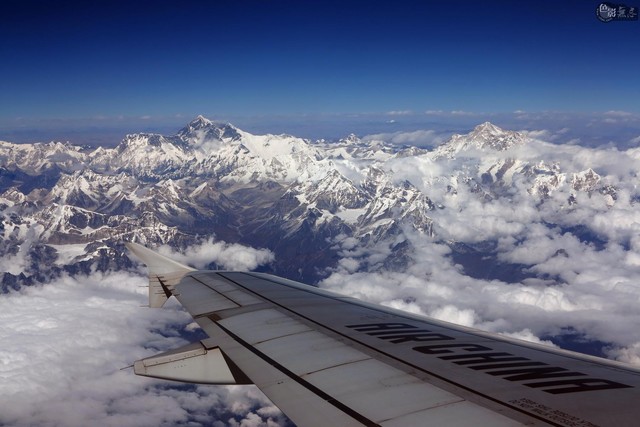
pixel 325 359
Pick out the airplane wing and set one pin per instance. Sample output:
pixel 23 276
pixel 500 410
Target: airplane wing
pixel 330 360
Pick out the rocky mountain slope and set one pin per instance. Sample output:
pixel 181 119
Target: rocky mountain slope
pixel 66 208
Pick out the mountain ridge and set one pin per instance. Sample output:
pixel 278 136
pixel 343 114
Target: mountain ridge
pixel 281 192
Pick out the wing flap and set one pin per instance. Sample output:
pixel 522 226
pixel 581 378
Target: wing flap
pixel 199 362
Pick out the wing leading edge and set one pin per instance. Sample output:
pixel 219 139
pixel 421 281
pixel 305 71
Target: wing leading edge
pixel 326 359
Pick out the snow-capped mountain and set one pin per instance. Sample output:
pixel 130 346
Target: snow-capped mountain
pixel 38 158
pixel 352 147
pixel 291 195
pixel 484 136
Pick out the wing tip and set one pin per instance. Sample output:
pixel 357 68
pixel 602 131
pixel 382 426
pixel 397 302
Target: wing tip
pixel 164 272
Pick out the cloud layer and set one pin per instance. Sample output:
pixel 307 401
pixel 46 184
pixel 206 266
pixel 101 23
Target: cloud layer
pixel 229 256
pixel 62 347
pixel 577 262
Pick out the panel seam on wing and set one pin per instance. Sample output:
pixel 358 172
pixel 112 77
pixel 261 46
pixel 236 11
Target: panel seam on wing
pixel 439 405
pixel 337 365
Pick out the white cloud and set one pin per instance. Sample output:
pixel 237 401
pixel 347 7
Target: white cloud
pixel 527 335
pixel 630 354
pixel 618 113
pixel 462 113
pixel 548 135
pixel 590 287
pixel 349 264
pixel 419 138
pixel 62 347
pixel 230 256
pixel 598 300
pixel 542 134
pixel 451 313
pixel 400 113
pixel 582 258
pixel 621 118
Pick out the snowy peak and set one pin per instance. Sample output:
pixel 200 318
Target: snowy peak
pixel 141 140
pixel 586 180
pixel 200 121
pixel 484 136
pixel 488 135
pixel 486 130
pixel 206 148
pixel 202 129
pixel 143 155
pixel 38 157
pixel 278 191
pixel 196 124
pixel 352 138
pixel 353 147
pixel 334 193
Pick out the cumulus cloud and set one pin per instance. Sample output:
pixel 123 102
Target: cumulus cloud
pixel 527 335
pixel 400 113
pixel 542 134
pixel 578 264
pixel 463 113
pixel 418 138
pixel 557 135
pixel 62 347
pixel 451 313
pixel 618 113
pixel 629 354
pixel 620 117
pixel 230 256
pixel 596 300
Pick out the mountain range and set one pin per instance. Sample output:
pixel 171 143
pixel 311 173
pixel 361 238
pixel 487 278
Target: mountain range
pixel 67 208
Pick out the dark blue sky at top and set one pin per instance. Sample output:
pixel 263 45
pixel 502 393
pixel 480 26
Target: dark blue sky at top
pixel 115 63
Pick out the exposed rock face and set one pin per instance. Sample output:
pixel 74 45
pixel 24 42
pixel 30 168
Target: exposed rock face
pixel 64 208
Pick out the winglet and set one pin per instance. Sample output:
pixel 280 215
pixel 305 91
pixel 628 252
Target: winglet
pixel 164 273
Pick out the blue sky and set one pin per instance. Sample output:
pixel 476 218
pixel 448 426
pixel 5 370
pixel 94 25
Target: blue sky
pixel 76 67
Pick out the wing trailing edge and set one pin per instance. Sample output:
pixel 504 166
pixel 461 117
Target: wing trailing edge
pixel 201 362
